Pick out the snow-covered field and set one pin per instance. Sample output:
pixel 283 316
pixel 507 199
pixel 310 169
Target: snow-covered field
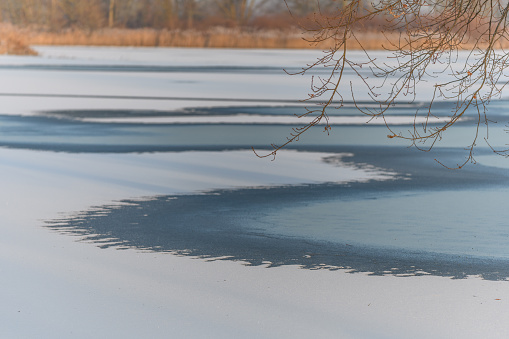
pixel 85 128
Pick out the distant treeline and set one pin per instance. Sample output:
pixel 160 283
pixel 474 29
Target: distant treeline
pixel 176 23
pixel 159 14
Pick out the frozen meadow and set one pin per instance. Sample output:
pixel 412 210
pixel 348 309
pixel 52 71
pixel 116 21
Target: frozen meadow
pixel 133 205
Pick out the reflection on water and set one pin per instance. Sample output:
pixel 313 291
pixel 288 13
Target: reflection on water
pixel 258 227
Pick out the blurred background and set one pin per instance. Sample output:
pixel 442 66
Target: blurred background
pixel 169 23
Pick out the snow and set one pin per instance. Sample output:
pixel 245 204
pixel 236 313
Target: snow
pixel 263 119
pixel 173 56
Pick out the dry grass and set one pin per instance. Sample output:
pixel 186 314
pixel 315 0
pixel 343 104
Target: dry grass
pixel 15 40
pixel 213 38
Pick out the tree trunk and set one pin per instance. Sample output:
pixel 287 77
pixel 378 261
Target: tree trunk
pixel 190 7
pixel 170 13
pixel 53 13
pixel 111 14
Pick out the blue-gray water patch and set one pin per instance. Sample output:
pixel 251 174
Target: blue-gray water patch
pixel 446 223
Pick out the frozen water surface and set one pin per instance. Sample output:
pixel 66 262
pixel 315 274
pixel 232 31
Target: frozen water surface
pixel 149 151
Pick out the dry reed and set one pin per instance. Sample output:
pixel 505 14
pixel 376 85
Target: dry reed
pixel 213 38
pixel 16 40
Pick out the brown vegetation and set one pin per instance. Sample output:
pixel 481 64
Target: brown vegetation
pixel 216 38
pixel 14 41
pixel 180 23
pixel 167 23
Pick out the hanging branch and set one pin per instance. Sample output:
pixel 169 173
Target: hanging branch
pixel 430 35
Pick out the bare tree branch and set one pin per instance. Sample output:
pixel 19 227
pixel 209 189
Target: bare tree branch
pixel 430 35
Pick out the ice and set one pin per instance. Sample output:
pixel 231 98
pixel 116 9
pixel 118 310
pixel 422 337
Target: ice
pixel 56 287
pixel 269 120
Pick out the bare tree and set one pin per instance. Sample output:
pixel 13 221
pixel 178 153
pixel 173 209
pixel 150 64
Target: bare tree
pixel 24 12
pixel 190 7
pixel 305 7
pixel 239 12
pixel 169 12
pixel 424 39
pixel 76 13
pixel 93 14
pixel 111 14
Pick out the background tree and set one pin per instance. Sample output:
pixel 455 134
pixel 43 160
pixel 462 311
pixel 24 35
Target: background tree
pixel 75 13
pixel 239 12
pixel 172 14
pixel 169 13
pixel 111 14
pixel 302 8
pixel 190 8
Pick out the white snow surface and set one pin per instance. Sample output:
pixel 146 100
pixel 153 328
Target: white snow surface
pixel 264 119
